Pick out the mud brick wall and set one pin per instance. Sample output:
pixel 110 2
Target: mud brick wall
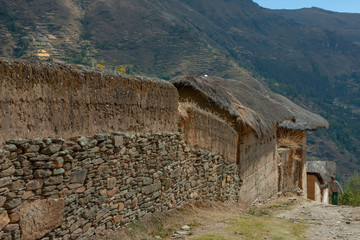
pixel 206 131
pixel 258 166
pixel 73 189
pixel 292 162
pixel 39 99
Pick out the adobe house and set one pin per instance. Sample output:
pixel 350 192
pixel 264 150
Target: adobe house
pixel 292 136
pixel 314 190
pixel 254 112
pixel 325 169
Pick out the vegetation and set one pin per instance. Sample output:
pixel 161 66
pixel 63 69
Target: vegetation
pixel 9 21
pixel 351 194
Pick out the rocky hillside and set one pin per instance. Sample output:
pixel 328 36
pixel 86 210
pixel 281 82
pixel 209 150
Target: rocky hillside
pixel 315 66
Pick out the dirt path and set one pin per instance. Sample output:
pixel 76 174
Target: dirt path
pixel 284 218
pixel 329 222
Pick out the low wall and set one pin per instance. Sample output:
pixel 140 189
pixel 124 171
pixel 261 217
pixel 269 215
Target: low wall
pixel 76 188
pixel 39 99
pixel 206 131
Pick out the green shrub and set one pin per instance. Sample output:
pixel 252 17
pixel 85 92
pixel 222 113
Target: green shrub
pixel 351 194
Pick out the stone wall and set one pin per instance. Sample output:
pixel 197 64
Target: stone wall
pixel 73 189
pixel 39 99
pixel 258 166
pixel 206 131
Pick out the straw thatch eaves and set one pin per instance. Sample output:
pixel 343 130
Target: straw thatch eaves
pixel 305 120
pixel 258 107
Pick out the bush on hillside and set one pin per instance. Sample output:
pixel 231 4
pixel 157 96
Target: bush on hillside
pixel 351 194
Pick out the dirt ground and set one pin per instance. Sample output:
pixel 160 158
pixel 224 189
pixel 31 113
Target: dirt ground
pixel 331 222
pixel 284 218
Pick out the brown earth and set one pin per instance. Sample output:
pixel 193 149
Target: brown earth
pixel 210 221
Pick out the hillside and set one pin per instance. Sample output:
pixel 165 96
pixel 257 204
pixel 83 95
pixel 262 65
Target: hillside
pixel 345 24
pixel 314 66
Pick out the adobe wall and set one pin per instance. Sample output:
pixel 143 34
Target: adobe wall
pixel 73 189
pixel 292 162
pixel 39 99
pixel 206 131
pixel 258 166
pixel 313 188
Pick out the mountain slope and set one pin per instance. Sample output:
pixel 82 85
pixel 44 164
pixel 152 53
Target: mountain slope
pixel 345 24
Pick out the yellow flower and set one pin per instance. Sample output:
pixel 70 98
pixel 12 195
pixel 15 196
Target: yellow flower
pixel 100 66
pixel 115 61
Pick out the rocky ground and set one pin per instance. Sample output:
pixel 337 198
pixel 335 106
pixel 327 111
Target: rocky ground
pixel 330 222
pixel 284 218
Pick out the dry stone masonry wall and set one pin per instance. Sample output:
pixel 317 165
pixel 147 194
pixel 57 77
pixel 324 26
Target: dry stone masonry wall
pixel 72 189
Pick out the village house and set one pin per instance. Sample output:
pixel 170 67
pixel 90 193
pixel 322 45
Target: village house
pixel 323 170
pixel 267 126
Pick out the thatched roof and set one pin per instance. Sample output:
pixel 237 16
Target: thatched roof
pixel 251 104
pixel 304 119
pixel 325 168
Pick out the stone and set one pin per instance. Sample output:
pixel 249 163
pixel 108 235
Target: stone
pixel 121 206
pixel 5 181
pixel 10 147
pixel 82 141
pixel 111 183
pixel 151 188
pixel 134 203
pixel 102 212
pixel 7 172
pixel 2 200
pixel 40 157
pixel 34 184
pixel 147 181
pixel 80 190
pixel 27 195
pixel 14 217
pixel 11 227
pixel 118 219
pixel 103 168
pixel 111 193
pixel 79 176
pixel 4 191
pixel 17 185
pixel 11 204
pixel 33 148
pixel 118 141
pixel 185 228
pixel 91 213
pixel 58 162
pixel 4 220
pixel 54 180
pixel 51 149
pixel 87 227
pixel 58 171
pixel 42 173
pixel 41 217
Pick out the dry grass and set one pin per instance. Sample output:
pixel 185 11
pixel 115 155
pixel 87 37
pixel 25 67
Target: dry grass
pixel 293 139
pixel 215 221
